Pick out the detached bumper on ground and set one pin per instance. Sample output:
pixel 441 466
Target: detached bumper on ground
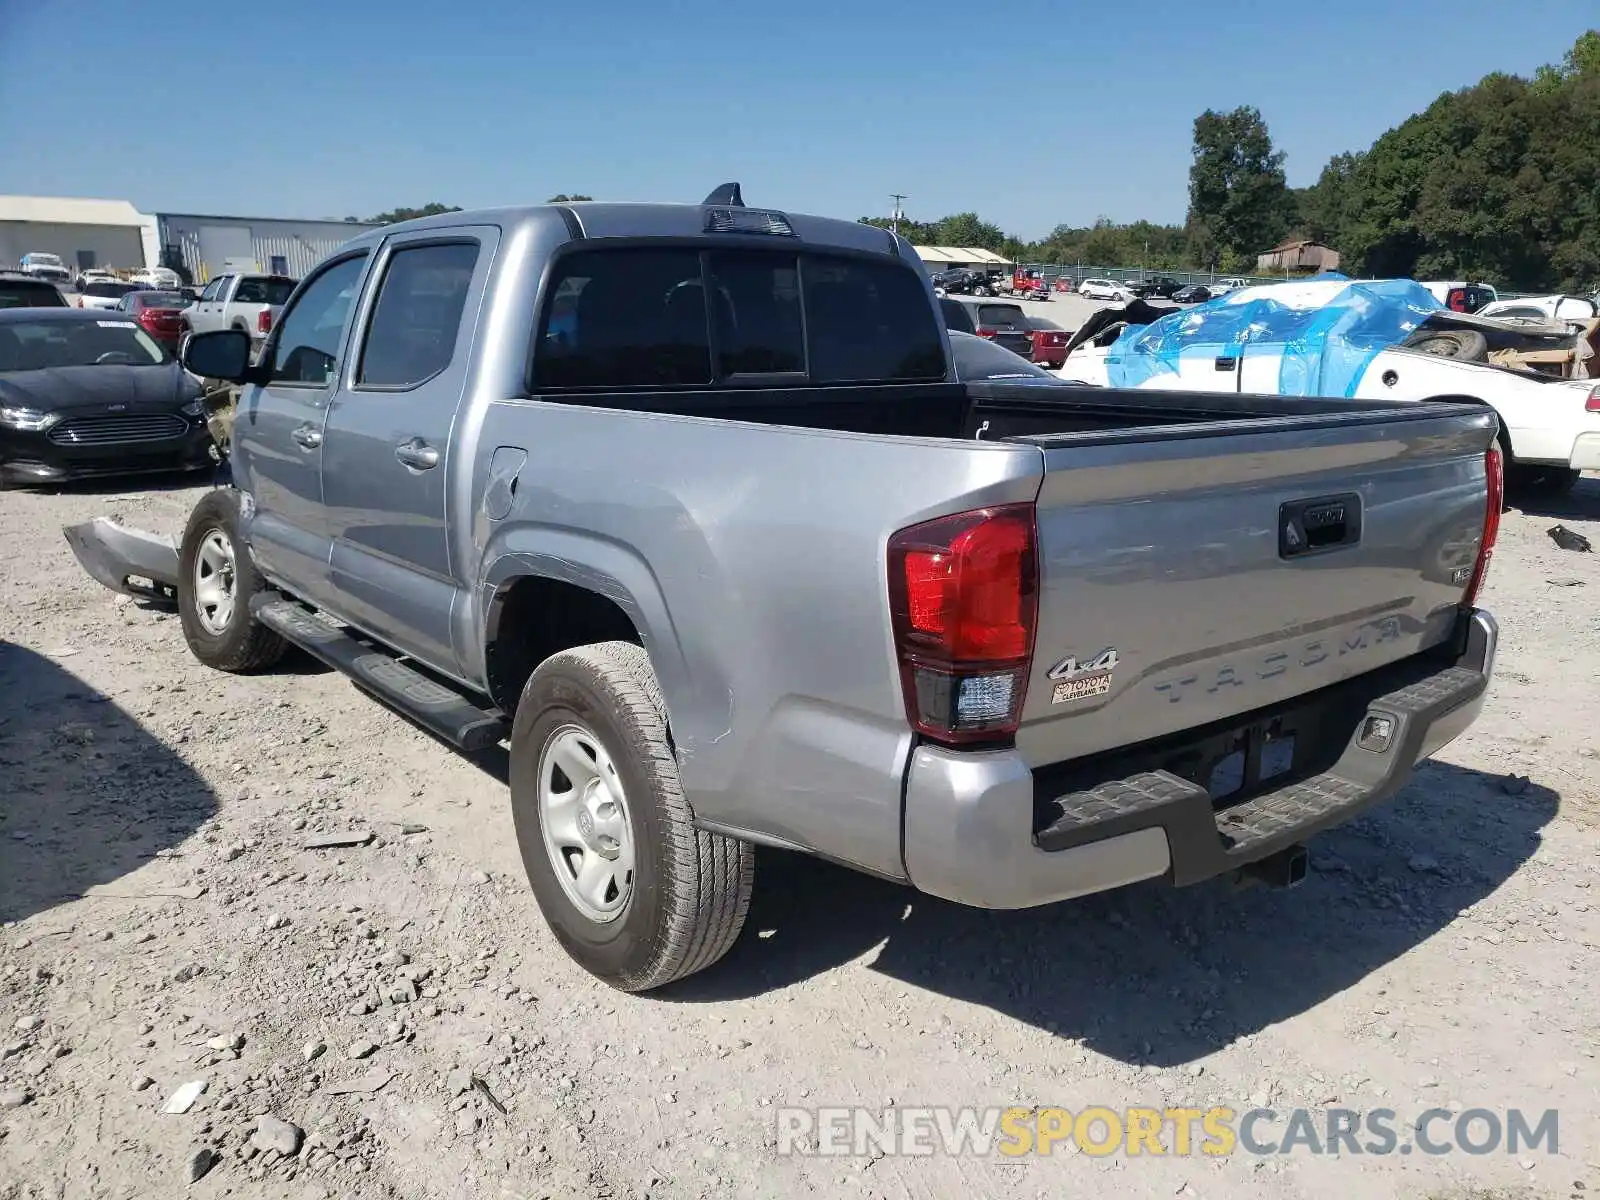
pixel 126 560
pixel 985 830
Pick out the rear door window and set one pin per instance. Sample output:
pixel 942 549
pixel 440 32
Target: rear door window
pixel 411 336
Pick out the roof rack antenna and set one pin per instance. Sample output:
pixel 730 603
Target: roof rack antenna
pixel 726 195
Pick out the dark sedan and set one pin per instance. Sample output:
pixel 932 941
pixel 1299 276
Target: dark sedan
pixel 1195 293
pixel 86 392
pixel 1001 322
pixel 1159 285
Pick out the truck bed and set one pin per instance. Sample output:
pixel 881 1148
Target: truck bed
pixel 991 410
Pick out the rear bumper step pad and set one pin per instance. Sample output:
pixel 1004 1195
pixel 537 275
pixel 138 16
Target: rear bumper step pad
pixel 1206 841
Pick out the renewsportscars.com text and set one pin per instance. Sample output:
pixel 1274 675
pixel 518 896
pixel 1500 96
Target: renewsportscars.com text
pixel 1178 1132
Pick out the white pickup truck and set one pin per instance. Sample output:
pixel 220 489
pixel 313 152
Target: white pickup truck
pixel 1549 424
pixel 247 302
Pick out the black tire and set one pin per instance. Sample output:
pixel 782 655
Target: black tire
pixel 1467 344
pixel 241 643
pixel 690 890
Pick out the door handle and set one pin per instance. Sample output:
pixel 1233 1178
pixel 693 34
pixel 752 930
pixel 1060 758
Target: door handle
pixel 308 436
pixel 417 454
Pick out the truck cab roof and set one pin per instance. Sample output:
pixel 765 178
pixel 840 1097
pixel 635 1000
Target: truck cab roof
pixel 600 219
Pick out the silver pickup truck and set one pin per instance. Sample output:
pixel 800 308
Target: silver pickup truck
pixel 688 504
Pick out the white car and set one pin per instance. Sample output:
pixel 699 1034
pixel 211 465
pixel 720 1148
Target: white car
pixel 1575 309
pixel 104 294
pixel 163 279
pixel 1105 289
pixel 46 266
pixel 1550 427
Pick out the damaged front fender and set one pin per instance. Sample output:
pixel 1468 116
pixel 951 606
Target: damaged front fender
pixel 130 561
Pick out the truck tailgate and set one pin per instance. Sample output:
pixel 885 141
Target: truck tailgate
pixel 1193 573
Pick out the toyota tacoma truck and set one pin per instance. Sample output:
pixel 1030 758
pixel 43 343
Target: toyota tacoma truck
pixel 687 504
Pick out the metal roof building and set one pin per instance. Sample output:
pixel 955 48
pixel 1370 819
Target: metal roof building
pixel 206 246
pixel 83 233
pixel 943 258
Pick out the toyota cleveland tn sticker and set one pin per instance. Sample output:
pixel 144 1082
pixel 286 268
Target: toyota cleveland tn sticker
pixel 1076 680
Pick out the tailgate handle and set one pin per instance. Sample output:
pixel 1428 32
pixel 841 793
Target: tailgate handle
pixel 1318 525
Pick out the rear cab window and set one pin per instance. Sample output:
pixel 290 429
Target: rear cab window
pixel 261 289
pixel 696 316
pixel 27 293
pixel 1002 316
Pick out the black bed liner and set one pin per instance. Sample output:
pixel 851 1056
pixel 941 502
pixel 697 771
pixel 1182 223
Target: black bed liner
pixel 994 410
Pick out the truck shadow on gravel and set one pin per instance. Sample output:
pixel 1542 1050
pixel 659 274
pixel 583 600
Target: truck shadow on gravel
pixel 88 794
pixel 1581 504
pixel 1151 974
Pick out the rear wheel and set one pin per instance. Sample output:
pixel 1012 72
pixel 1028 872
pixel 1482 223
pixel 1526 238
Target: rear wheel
pixel 216 582
pixel 632 890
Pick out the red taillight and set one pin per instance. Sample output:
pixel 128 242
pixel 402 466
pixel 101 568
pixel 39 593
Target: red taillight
pixel 264 321
pixel 1494 473
pixel 985 331
pixel 1592 404
pixel 964 597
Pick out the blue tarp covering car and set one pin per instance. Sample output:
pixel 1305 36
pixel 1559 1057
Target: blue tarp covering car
pixel 1327 329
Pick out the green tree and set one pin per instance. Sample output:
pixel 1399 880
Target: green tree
pixel 1237 192
pixel 1498 181
pixel 563 198
pixel 968 229
pixel 1322 210
pixel 407 214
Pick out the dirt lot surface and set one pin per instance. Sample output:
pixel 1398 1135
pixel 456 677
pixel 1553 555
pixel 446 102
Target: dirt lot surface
pixel 392 1018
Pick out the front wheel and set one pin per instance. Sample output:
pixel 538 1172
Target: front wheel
pixel 632 890
pixel 216 582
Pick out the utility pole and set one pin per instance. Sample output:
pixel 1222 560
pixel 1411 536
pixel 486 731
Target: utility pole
pixel 899 212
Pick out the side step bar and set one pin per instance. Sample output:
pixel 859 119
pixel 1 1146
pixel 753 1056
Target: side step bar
pixel 439 709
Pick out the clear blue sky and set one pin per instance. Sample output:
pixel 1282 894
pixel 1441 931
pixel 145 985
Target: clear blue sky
pixel 343 107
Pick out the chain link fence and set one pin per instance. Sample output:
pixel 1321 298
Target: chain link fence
pixel 1078 272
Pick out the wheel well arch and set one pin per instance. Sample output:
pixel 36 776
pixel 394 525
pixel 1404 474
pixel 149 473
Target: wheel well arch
pixel 1501 436
pixel 531 617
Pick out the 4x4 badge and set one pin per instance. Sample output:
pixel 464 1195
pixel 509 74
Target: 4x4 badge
pixel 1075 680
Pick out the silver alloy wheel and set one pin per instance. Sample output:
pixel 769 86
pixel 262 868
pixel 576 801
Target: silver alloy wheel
pixel 214 576
pixel 588 833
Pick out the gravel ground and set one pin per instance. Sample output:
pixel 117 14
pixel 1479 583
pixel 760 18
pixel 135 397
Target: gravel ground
pixel 392 1018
